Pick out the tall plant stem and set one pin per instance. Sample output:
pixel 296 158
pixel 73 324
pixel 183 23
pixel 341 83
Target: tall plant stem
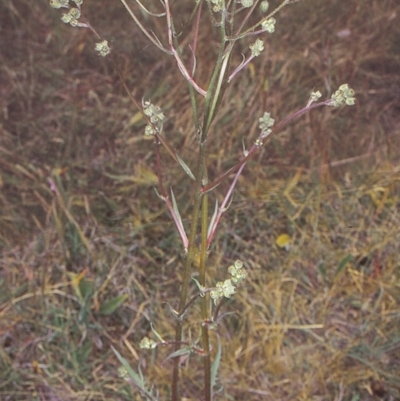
pixel 212 97
pixel 187 267
pixel 204 299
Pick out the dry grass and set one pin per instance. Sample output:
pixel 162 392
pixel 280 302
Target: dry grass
pixel 318 322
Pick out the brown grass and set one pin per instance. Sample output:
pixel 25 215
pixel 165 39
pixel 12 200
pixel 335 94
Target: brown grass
pixel 318 322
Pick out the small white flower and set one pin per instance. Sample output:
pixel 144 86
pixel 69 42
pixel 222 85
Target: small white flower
pixel 264 6
pixel 102 48
pixel 237 272
pixel 344 95
pixel 266 122
pixel 66 18
pixel 58 3
pixel 156 116
pixel 258 142
pixel 149 131
pixel 74 22
pixel 228 288
pixel 74 13
pixel 216 294
pixel 247 3
pixel 147 343
pixel 269 25
pixel 71 17
pixel 315 96
pixel 257 47
pixel 218 5
pixel 154 112
pixel 123 373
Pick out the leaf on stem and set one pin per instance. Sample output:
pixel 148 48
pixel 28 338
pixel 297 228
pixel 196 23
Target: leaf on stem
pixel 137 379
pixel 174 312
pixel 245 151
pixel 199 286
pixel 215 364
pixel 186 168
pixel 156 333
pixel 181 352
pixel 213 218
pixel 149 12
pixel 176 210
pixel 159 195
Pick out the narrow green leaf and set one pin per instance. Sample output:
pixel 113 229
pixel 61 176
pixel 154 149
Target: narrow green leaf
pixel 215 364
pixel 86 289
pixel 343 263
pixel 214 216
pixel 156 333
pixel 322 269
pixel 199 286
pixel 107 308
pixel 137 379
pixel 160 196
pixel 186 168
pixel 174 312
pixel 180 352
pixel 176 210
pixel 132 374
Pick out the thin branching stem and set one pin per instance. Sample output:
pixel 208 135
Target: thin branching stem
pixel 192 300
pixel 215 90
pixel 188 264
pixel 140 109
pixel 224 204
pixel 155 42
pixel 245 19
pixel 196 36
pixel 165 197
pixel 179 61
pixel 251 153
pixel 250 30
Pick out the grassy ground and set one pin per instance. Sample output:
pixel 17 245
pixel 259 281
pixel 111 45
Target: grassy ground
pixel 318 322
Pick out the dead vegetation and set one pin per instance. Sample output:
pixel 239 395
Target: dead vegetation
pixel 80 223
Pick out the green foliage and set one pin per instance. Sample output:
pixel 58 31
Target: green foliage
pixel 110 306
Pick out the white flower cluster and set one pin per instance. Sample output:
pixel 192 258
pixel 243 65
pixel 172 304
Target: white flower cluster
pixel 64 3
pixel 59 3
pixel 218 5
pixel 257 47
pixel 147 343
pixel 102 48
pixel 264 6
pixel 72 17
pixel 156 116
pixel 123 373
pixel 247 3
pixel 74 13
pixel 228 287
pixel 269 25
pixel 344 95
pixel 315 96
pixel 266 122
